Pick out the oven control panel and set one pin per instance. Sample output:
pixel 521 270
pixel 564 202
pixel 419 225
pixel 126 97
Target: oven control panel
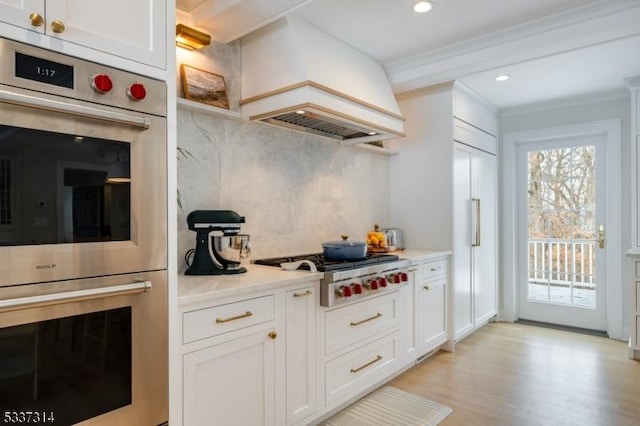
pixel 362 287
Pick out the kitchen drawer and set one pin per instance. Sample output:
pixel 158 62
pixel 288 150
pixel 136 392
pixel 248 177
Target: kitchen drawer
pixel 434 269
pixel 355 323
pixel 360 368
pixel 638 268
pixel 209 322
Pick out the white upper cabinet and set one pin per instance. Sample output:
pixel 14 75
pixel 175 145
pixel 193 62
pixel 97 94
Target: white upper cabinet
pixel 134 30
pixel 23 13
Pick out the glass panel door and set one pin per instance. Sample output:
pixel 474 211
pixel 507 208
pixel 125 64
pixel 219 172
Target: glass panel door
pixel 561 188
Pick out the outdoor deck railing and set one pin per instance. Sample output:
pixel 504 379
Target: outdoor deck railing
pixel 560 262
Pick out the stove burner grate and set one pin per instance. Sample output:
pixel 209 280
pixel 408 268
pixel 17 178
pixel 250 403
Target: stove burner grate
pixel 324 264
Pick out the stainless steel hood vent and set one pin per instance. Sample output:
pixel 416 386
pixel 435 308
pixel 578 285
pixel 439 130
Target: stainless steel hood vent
pixel 313 123
pixel 296 76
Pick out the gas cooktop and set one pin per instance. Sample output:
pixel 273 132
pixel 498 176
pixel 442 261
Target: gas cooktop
pixel 326 265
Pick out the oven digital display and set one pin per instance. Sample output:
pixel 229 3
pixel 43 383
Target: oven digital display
pixel 44 71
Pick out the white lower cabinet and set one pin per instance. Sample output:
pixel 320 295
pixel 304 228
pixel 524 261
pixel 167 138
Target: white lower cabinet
pixel 277 358
pixel 431 296
pixel 301 364
pixel 231 383
pixel 359 368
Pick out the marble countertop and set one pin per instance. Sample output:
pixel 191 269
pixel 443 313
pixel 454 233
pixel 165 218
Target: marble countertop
pixel 194 289
pixel 421 254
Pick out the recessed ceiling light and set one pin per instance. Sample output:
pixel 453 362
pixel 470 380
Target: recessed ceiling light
pixel 422 6
pixel 503 77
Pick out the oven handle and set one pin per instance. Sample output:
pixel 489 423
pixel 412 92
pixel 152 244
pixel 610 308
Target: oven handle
pixel 73 296
pixel 79 110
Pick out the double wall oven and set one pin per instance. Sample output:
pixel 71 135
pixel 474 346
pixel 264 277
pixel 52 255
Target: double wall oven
pixel 83 251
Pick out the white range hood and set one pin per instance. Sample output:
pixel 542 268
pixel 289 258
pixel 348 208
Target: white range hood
pixel 297 76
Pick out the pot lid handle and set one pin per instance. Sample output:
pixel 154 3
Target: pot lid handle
pixel 344 237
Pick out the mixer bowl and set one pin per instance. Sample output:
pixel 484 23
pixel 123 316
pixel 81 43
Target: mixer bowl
pixel 235 248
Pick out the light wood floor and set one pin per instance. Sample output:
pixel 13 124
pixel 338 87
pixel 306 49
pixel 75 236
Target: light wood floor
pixel 513 374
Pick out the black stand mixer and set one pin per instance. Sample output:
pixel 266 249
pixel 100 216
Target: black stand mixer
pixel 206 258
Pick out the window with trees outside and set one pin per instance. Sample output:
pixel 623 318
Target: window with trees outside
pixel 562 226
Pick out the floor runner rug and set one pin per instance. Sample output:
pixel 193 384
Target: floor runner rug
pixel 389 406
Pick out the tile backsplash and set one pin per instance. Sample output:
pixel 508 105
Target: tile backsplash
pixel 295 190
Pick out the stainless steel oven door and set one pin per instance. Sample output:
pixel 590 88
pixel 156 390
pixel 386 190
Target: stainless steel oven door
pixel 58 218
pixel 91 350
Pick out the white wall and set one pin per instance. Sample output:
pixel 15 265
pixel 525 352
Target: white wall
pixel 550 115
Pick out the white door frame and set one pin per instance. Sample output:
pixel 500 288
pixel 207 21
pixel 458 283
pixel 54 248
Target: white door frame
pixel 613 182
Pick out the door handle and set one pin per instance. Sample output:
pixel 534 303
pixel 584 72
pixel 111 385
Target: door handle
pixel 30 302
pixel 476 227
pixel 601 236
pixel 73 109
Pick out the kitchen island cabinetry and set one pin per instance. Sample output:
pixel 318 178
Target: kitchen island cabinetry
pixel 446 171
pixel 132 30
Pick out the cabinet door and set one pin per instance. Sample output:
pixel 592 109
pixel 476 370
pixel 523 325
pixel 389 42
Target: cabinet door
pixel 131 29
pixel 409 308
pixel 301 353
pixel 17 12
pixel 462 284
pixel 433 321
pixel 231 383
pixel 484 167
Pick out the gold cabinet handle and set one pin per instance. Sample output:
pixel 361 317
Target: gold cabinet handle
pixel 305 294
pixel 36 19
pixel 426 287
pixel 601 236
pixel 57 27
pixel 272 335
pixel 237 317
pixel 378 315
pixel 355 370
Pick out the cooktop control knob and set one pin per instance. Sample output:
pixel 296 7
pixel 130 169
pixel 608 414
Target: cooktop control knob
pixel 357 288
pixel 394 278
pixel 404 277
pixel 101 83
pixel 136 92
pixel 372 284
pixel 382 282
pixel 344 291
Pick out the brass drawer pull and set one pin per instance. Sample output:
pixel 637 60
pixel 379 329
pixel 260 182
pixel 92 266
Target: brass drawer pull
pixel 306 293
pixel 245 315
pixel 355 370
pixel 435 269
pixel 378 315
pixel 426 287
pixel 36 19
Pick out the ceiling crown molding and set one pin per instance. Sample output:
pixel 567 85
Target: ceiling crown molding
pixel 590 25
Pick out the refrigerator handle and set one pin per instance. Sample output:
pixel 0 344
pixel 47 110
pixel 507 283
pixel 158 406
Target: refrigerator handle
pixel 475 223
